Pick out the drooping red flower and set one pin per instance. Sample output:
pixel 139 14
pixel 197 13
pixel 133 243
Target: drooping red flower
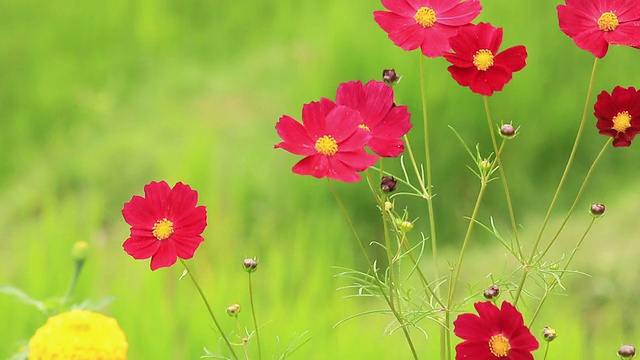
pixel 427 24
pixel 494 334
pixel 618 114
pixel 165 224
pixel 330 140
pixel 594 24
pixel 476 61
pixel 386 122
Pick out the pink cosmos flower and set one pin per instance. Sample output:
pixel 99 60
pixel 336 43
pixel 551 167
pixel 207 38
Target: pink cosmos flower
pixel 427 24
pixel 165 224
pixel 330 140
pixel 594 24
pixel 618 114
pixel 494 334
pixel 476 61
pixel 386 122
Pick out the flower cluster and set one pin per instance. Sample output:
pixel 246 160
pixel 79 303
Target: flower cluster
pixel 333 135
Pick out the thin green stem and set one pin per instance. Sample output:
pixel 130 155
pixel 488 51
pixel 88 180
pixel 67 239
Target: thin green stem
pixel 427 155
pixel 253 314
pixel 546 351
pixel 560 184
pixel 578 196
pixel 503 176
pixel 557 280
pixel 397 315
pixel 206 303
pixel 77 269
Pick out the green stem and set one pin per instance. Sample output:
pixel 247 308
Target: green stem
pixel 427 155
pixel 560 184
pixel 578 196
pixel 397 315
pixel 546 351
pixel 557 280
pixel 503 176
pixel 77 269
pixel 206 303
pixel 253 313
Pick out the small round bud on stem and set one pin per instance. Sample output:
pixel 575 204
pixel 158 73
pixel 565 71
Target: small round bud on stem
pixel 233 310
pixel 491 292
pixel 80 250
pixel 250 265
pixel 507 131
pixel 390 77
pixel 388 184
pixel 388 206
pixel 627 352
pixel 485 165
pixel 549 333
pixel 405 226
pixel 597 209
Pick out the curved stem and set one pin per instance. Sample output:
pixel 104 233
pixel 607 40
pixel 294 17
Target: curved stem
pixel 253 314
pixel 206 303
pixel 503 176
pixel 561 183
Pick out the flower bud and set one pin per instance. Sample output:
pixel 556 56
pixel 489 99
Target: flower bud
pixel 388 206
pixel 405 226
pixel 549 333
pixel 554 266
pixel 233 310
pixel 597 209
pixel 388 184
pixel 627 351
pixel 250 265
pixel 491 292
pixel 80 250
pixel 390 77
pixel 507 131
pixel 485 165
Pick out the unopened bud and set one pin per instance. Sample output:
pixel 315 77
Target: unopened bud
pixel 597 209
pixel 250 265
pixel 485 164
pixel 388 183
pixel 549 334
pixel 390 77
pixel 507 131
pixel 388 206
pixel 233 310
pixel 80 250
pixel 405 226
pixel 627 351
pixel 491 292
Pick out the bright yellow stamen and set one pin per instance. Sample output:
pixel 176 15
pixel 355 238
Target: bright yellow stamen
pixel 327 145
pixel 425 17
pixel 622 121
pixel 364 127
pixel 499 345
pixel 162 229
pixel 608 21
pixel 483 59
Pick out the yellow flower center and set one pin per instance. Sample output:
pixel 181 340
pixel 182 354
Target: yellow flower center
pixel 327 145
pixel 483 59
pixel 499 345
pixel 162 229
pixel 364 127
pixel 608 21
pixel 425 17
pixel 622 121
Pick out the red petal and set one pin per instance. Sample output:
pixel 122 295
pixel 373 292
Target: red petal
pixel 157 195
pixel 341 123
pixel 186 246
pixel 625 34
pixel 165 256
pixel 351 94
pixel 378 102
pixel 512 59
pixel 339 171
pixel 435 40
pixel 314 165
pixel 357 160
pixel 403 32
pixel 138 214
pixel 191 222
pixel 141 248
pixel 471 327
pixel 386 147
pixel 314 117
pixel 474 350
pixel 460 14
pixel 181 199
pixel 357 141
pixel 296 139
pixel 401 7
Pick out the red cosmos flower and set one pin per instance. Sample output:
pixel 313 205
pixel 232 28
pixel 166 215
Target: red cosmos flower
pixel 165 224
pixel 619 114
pixel 594 24
pixel 476 61
pixel 330 140
pixel 386 122
pixel 494 334
pixel 427 24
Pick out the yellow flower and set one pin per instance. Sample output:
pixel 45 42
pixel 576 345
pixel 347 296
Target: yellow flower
pixel 79 335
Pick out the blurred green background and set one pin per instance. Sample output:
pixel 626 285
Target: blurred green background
pixel 99 98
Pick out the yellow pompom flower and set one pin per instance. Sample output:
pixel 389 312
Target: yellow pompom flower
pixel 79 335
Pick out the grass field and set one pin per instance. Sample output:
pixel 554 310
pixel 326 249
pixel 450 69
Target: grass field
pixel 99 98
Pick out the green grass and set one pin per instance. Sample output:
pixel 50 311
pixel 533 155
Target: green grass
pixel 97 99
